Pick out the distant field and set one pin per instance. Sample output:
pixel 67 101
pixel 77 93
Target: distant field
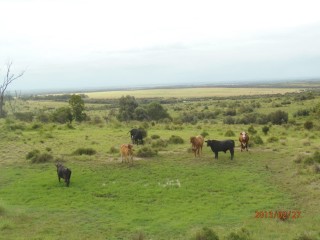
pixel 191 92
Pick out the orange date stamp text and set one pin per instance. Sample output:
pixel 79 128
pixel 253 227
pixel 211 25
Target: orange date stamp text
pixel 283 215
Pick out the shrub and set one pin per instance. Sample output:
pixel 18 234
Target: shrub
pixel 229 133
pixel 305 236
pixel 229 120
pixel 206 234
pixel 43 117
pixel 36 126
pixel 243 234
pixel 159 143
pixel 265 130
pixel 62 115
pixel 301 113
pixel 278 117
pixel 313 159
pixel 84 151
pixel 251 130
pixel 155 136
pixel 32 154
pixel 272 139
pixel 230 112
pixel 36 157
pixel 24 116
pixel 176 140
pixel 308 125
pixel 257 140
pixel 146 152
pixel 204 134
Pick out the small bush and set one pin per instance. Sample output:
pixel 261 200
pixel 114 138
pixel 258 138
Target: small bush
pixel 251 130
pixel 301 113
pixel 159 143
pixel 206 234
pixel 305 236
pixel 84 151
pixel 36 126
pixel 308 125
pixel 229 120
pixel 243 234
pixel 155 136
pixel 313 159
pixel 139 236
pixel 265 130
pixel 24 116
pixel 204 134
pixel 146 152
pixel 230 112
pixel 229 133
pixel 257 140
pixel 176 140
pixel 272 139
pixel 36 157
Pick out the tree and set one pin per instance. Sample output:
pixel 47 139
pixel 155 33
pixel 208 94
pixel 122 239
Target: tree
pixel 8 79
pixel 62 115
pixel 156 111
pixel 77 107
pixel 127 106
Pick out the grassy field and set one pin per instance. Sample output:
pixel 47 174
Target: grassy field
pixel 190 92
pixel 170 196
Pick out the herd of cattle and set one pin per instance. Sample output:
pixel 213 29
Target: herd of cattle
pixel 137 135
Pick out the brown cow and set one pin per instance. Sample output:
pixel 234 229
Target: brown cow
pixel 126 151
pixel 197 143
pixel 243 139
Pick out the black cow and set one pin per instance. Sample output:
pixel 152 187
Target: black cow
pixel 137 135
pixel 64 173
pixel 221 146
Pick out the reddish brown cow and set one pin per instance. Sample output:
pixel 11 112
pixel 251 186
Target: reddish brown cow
pixel 126 151
pixel 197 144
pixel 243 139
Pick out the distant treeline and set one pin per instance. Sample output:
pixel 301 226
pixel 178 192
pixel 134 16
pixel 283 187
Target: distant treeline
pixel 303 95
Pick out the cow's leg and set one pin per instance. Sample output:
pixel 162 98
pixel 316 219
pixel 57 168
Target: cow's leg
pixel 232 153
pixel 216 155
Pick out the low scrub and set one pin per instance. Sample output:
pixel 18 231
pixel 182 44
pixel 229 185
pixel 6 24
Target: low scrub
pixel 206 234
pixel 84 151
pixel 313 159
pixel 176 140
pixel 257 140
pixel 35 156
pixel 272 139
pixel 229 133
pixel 146 152
pixel 242 234
pixel 159 143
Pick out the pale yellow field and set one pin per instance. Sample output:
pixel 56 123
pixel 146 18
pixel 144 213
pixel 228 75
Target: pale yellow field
pixel 190 92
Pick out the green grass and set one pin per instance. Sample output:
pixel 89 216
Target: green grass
pixel 162 197
pixel 172 195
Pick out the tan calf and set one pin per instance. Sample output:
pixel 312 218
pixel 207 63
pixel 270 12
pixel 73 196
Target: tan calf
pixel 197 144
pixel 126 151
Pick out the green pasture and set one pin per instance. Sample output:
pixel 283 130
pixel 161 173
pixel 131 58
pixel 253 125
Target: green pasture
pixel 173 195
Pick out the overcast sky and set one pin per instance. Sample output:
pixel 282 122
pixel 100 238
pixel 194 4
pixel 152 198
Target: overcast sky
pixel 82 44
